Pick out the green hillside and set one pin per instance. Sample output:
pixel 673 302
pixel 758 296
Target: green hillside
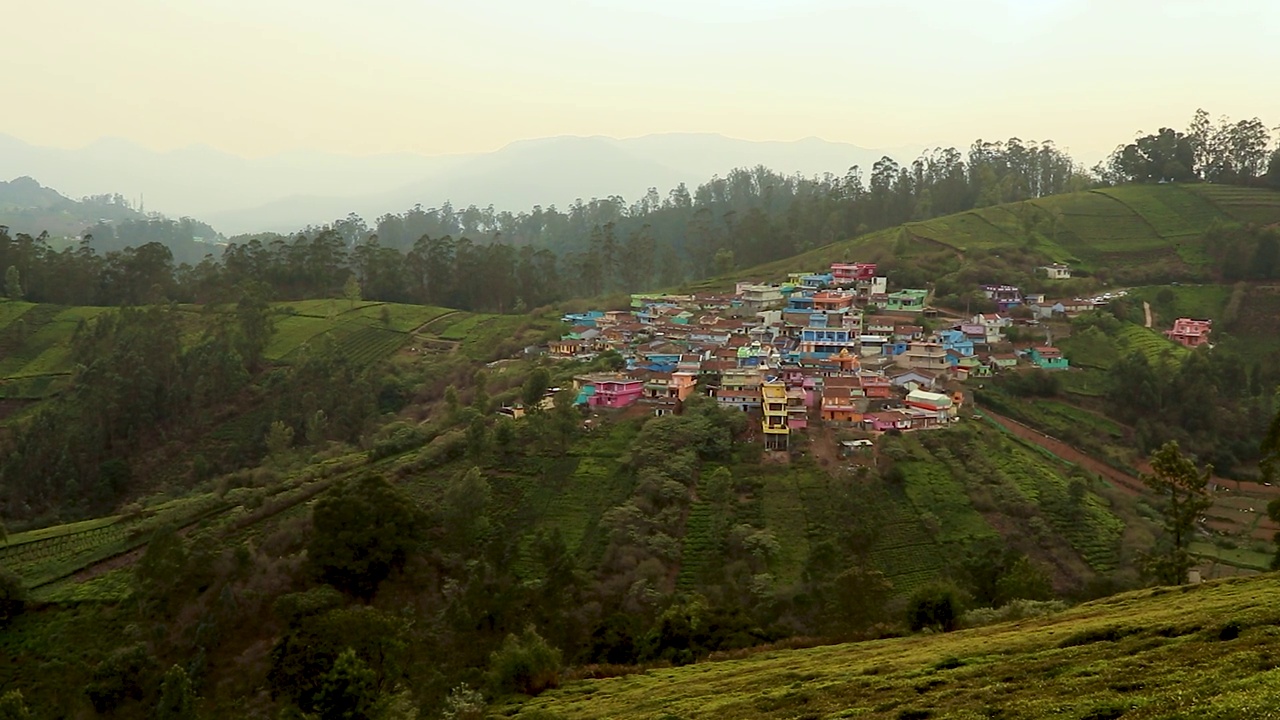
pixel 1204 652
pixel 1130 231
pixel 35 340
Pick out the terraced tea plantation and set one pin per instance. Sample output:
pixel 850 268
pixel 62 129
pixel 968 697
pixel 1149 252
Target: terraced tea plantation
pixel 1208 651
pixel 1131 226
pixel 43 557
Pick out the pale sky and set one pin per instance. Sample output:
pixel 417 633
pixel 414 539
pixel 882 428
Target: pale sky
pixel 257 77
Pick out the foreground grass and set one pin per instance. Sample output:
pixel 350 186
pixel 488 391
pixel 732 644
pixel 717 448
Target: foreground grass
pixel 1209 651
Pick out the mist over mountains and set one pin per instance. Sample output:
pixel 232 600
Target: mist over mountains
pixel 288 191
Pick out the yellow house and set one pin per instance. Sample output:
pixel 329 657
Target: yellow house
pixel 777 432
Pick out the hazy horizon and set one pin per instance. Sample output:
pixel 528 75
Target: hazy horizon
pixel 394 76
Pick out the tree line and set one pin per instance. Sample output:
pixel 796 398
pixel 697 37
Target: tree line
pixel 485 259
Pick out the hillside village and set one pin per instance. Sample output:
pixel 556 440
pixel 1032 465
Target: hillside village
pixel 835 347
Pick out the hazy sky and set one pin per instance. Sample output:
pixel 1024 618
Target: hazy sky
pixel 256 77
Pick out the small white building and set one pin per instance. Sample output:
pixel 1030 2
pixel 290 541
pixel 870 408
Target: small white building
pixel 1057 271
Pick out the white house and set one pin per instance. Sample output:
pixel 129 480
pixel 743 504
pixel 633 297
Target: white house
pixel 1057 271
pixel 993 325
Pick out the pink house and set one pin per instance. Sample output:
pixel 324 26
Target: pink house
pixel 616 393
pixel 1191 333
pixel 849 273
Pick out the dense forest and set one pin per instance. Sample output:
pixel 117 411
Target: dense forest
pixel 483 259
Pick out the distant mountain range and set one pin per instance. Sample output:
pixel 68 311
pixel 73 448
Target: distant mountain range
pixel 288 191
pixel 28 207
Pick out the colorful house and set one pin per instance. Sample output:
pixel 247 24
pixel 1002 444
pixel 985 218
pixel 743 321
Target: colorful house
pixel 738 399
pixel 993 325
pixel 1005 296
pixel 906 300
pixel 821 342
pixel 565 347
pixel 1048 358
pixel 972 367
pixel 886 421
pixel 850 273
pixel 759 297
pixel 773 404
pixel 956 340
pixel 797 408
pixel 841 398
pixel 1191 333
pixel 925 356
pixel 616 393
pixel 937 403
pixel 587 319
pixel 816 280
pixel 1003 361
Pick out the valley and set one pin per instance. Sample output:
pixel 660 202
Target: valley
pixel 638 538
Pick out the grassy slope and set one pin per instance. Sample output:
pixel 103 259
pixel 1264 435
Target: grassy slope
pixel 35 340
pixel 1150 654
pixel 1105 228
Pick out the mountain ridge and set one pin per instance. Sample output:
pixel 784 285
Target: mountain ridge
pixel 239 194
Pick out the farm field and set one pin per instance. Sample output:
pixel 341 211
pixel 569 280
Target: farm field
pixel 1199 651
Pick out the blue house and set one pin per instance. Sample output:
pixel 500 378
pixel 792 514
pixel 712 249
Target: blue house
pixel 822 342
pixel 897 347
pixel 800 301
pixel 816 281
pixel 587 318
pixel 957 341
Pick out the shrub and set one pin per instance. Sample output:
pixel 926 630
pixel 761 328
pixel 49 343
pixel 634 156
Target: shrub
pixel 362 531
pixel 349 690
pixel 464 703
pixel 934 607
pixel 177 699
pixel 524 664
pixel 13 596
pixel 127 673
pixel 1230 630
pixel 1015 610
pixel 13 707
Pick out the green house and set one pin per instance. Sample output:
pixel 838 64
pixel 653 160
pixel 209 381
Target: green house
pixel 1048 358
pixel 974 367
pixel 906 300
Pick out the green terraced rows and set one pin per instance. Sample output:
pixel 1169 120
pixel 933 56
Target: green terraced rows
pixel 904 551
pixel 1156 347
pixel 785 517
pixel 699 547
pixel 1125 226
pixel 932 489
pixel 1205 651
pixel 11 310
pixel 1243 204
pixel 370 344
pixel 18 345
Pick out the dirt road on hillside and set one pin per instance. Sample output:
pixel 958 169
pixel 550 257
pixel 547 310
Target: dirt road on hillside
pixel 1123 481
pixel 1146 309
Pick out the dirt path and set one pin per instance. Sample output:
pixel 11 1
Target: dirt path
pixel 1146 309
pixel 424 327
pixel 1124 482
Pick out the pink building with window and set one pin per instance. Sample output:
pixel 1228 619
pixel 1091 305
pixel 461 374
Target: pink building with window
pixel 616 393
pixel 850 273
pixel 1191 333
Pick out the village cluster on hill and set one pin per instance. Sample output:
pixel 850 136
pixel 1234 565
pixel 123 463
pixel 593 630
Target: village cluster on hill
pixel 835 347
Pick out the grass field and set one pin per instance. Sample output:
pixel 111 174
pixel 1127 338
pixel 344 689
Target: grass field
pixel 1209 651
